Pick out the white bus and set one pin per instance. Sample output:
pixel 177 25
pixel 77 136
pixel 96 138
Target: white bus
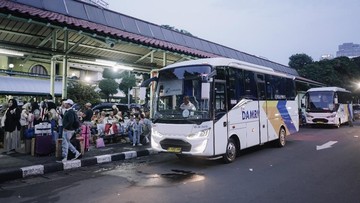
pixel 327 105
pixel 236 105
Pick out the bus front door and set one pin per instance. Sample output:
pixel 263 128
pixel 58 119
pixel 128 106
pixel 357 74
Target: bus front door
pixel 221 117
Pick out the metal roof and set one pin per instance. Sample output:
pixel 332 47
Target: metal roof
pixel 96 32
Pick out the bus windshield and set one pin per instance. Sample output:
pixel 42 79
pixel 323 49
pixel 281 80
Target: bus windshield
pixel 322 101
pixel 178 97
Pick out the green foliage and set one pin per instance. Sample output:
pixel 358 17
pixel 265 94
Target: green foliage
pixel 299 61
pixel 82 93
pixel 108 87
pixel 128 81
pixel 341 71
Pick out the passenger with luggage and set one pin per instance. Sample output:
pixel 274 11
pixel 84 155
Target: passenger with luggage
pixel 70 124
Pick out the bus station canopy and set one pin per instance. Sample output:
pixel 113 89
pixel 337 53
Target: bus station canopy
pixel 10 85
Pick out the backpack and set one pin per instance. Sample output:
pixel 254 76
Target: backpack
pixel 76 123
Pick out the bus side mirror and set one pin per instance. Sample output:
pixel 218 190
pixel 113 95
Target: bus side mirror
pixel 303 102
pixel 336 100
pixel 205 90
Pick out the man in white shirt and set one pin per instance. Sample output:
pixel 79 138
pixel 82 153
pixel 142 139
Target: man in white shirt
pixel 187 104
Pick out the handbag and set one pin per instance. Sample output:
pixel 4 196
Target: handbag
pixel 100 142
pixel 29 133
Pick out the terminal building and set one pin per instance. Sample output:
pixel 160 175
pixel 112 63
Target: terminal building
pixel 49 42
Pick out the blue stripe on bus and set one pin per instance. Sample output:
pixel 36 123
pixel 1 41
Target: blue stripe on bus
pixel 281 106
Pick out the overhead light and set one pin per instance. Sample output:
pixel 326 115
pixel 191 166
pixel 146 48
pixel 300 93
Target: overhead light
pixel 11 52
pixel 105 62
pixel 122 67
pixel 87 79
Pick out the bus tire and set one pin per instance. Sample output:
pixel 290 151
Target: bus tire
pixel 231 151
pixel 281 141
pixel 338 124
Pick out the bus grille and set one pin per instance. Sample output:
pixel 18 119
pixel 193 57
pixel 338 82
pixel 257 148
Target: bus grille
pixel 185 146
pixel 320 120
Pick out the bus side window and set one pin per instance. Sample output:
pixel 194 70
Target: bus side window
pixel 250 85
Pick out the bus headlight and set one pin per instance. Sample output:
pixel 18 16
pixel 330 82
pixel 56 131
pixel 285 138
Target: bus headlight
pixel 156 133
pixel 331 116
pixel 200 134
pixel 309 116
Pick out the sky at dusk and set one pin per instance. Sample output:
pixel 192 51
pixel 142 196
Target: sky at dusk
pixel 274 29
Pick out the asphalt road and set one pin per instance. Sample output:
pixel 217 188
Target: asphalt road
pixel 305 170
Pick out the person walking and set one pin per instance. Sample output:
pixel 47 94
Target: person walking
pixel 11 124
pixel 69 126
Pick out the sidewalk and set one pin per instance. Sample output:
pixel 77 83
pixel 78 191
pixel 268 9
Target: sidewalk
pixel 17 165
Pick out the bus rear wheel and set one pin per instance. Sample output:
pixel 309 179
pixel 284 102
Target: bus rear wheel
pixel 231 151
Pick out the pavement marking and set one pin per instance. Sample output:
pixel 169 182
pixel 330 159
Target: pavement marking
pixel 130 154
pixel 326 145
pixel 32 170
pixel 72 164
pixel 103 158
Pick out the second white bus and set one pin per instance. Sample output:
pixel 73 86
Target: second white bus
pixel 327 106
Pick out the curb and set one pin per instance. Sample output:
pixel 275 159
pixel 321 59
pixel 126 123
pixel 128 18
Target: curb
pixel 34 170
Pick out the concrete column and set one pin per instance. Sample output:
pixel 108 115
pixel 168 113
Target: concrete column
pixel 164 59
pixel 64 77
pixel 52 77
pixel 65 65
pixel 53 65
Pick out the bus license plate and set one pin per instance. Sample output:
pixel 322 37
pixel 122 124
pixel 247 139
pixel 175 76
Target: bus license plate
pixel 174 149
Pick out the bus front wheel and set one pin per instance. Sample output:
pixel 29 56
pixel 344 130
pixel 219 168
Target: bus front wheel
pixel 338 124
pixel 231 151
pixel 281 141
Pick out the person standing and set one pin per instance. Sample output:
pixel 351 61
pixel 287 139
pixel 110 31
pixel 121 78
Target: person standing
pixel 88 113
pixel 11 123
pixel 68 131
pixel 146 128
pixel 24 119
pixel 137 131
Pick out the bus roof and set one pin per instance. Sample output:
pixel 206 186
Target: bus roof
pixel 227 62
pixel 332 89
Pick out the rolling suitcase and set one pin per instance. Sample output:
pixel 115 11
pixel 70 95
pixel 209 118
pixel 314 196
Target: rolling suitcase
pixel 43 144
pixel 86 133
pixel 43 139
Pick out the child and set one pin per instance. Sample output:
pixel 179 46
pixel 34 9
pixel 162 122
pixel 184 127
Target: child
pixel 137 130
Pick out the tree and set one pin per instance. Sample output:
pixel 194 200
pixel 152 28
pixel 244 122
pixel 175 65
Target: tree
pixel 82 93
pixel 300 61
pixel 108 87
pixel 128 81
